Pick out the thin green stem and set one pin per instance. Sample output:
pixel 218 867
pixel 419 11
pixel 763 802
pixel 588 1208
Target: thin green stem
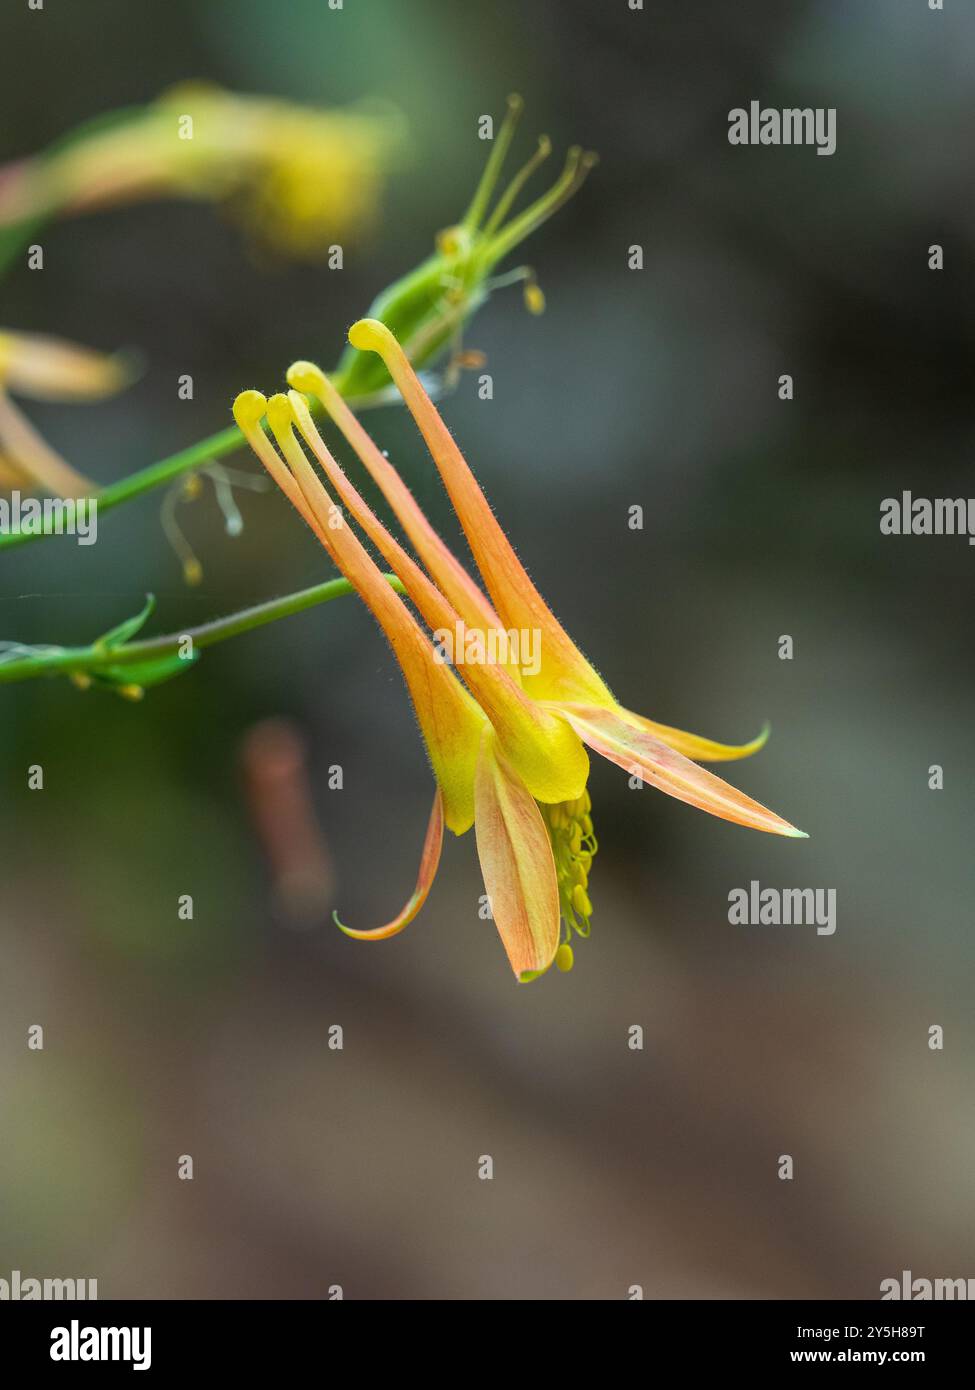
pixel 94 658
pixel 215 446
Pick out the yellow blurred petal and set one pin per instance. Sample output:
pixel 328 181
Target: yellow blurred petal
pixel 51 369
pixel 30 456
pixel 517 863
pixel 429 863
pixel 10 475
pixel 301 179
pixel 643 755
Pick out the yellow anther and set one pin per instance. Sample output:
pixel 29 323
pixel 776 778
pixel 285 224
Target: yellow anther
pixel 580 901
pixel 534 298
pixel 131 692
pixel 570 825
pixel 470 359
pixel 192 487
pixel 564 958
pixel 452 241
pixel 192 571
pixel 80 680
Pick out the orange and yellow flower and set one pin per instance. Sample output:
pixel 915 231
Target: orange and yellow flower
pixel 506 739
pixel 48 369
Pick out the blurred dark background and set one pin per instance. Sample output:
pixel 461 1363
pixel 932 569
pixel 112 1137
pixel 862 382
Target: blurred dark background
pixel 613 1167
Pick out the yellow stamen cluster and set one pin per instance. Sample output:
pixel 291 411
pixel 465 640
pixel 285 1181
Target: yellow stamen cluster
pixel 574 845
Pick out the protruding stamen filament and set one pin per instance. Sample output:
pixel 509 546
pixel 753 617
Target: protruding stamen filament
pixel 224 481
pixel 181 492
pixel 574 847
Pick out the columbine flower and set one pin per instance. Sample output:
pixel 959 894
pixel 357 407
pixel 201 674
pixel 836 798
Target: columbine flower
pixel 298 177
pixel 48 369
pixel 506 745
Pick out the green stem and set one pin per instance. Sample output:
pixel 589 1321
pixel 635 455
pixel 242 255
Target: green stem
pixel 205 451
pixel 64 660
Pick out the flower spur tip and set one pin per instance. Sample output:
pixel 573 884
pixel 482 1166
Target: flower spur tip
pixel 280 415
pixel 249 409
pixel 306 377
pixel 369 335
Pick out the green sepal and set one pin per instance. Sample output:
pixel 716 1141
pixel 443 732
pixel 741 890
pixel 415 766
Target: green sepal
pixel 117 636
pixel 144 673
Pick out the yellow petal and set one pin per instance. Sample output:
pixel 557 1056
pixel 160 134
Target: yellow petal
pixel 28 454
pixel 429 863
pixel 643 755
pixel 703 750
pixel 517 863
pixel 51 369
pixel 10 475
pixel 565 673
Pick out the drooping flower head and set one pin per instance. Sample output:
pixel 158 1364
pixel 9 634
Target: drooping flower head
pixel 298 177
pixel 506 738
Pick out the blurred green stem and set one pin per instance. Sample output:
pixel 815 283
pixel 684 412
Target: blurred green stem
pixel 54 661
